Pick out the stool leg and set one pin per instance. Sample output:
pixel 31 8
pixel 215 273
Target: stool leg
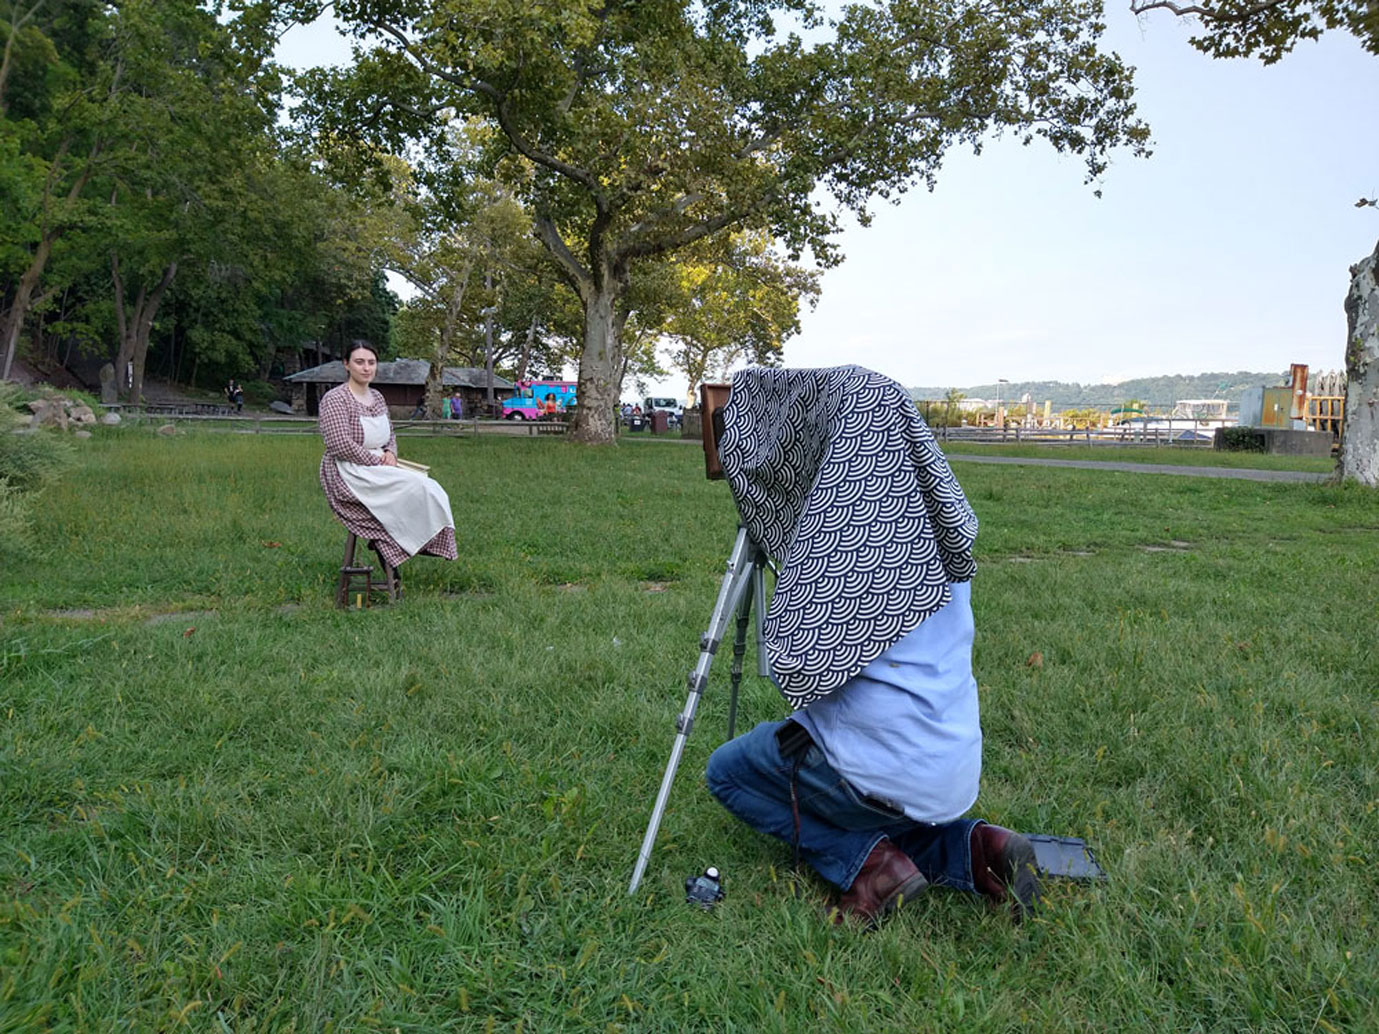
pixel 349 572
pixel 342 588
pixel 392 580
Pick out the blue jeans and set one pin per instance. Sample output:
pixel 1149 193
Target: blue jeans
pixel 838 826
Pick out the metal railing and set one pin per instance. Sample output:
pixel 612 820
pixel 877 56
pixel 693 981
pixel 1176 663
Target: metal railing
pixel 1154 437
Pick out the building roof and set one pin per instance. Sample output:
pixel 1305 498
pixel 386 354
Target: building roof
pixel 403 371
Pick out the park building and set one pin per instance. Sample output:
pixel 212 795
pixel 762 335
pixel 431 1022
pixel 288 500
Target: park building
pixel 402 383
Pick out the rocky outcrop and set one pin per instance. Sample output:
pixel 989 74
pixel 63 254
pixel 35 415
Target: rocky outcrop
pixel 1360 434
pixel 60 411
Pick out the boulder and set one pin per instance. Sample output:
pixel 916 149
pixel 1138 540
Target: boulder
pixel 278 406
pixel 81 434
pixel 49 412
pixel 168 430
pixel 81 413
pixel 110 391
pixel 111 418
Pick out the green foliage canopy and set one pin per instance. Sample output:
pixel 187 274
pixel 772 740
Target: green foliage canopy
pixel 632 130
pixel 1268 30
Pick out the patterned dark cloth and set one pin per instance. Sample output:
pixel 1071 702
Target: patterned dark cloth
pixel 343 435
pixel 838 478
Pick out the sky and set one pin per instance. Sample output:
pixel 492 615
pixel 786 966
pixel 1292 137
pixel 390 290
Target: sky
pixel 1228 249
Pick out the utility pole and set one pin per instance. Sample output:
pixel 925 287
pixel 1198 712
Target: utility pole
pixel 488 339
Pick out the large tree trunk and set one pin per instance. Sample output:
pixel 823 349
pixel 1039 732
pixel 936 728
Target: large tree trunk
pixel 135 328
pixel 1359 457
pixel 23 296
pixel 600 366
pixel 445 347
pixel 600 288
pixel 14 319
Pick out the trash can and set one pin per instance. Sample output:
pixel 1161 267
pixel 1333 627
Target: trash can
pixel 660 422
pixel 636 424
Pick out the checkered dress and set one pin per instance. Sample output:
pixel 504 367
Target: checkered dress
pixel 344 438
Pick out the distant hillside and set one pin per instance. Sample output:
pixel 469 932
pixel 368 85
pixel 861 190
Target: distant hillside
pixel 1155 391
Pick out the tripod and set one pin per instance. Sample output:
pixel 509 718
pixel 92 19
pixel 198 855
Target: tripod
pixel 745 572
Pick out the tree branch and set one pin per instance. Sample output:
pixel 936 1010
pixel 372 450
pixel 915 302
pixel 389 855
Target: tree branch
pixel 579 277
pixel 688 235
pixel 1213 14
pixel 484 89
pixel 17 21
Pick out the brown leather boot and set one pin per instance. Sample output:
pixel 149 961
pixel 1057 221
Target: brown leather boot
pixel 1003 867
pixel 887 880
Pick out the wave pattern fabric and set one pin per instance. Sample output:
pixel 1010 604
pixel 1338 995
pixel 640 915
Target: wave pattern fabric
pixel 837 477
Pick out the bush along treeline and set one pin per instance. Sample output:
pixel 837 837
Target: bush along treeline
pixel 1158 392
pixel 30 460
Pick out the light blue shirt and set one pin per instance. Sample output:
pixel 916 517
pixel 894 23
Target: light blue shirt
pixel 905 729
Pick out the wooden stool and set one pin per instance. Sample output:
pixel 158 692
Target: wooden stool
pixel 357 580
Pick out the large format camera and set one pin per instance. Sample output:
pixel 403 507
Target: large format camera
pixel 712 399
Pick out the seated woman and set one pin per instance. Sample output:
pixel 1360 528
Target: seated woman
pixel 399 512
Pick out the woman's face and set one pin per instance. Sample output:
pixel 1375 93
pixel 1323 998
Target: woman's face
pixel 362 365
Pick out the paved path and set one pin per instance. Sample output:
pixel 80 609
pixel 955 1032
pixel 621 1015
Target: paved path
pixel 1238 473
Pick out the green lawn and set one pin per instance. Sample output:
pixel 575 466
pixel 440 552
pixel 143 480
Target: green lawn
pixel 225 805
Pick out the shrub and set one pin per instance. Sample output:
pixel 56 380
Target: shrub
pixel 29 460
pixel 1240 439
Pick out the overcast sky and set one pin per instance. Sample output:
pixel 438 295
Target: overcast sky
pixel 1227 250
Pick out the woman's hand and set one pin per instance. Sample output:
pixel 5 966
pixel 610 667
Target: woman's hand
pixel 389 460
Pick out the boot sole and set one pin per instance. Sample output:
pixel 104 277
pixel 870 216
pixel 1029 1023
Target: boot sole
pixel 906 892
pixel 1020 873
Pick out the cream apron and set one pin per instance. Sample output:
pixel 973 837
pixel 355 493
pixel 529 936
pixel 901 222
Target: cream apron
pixel 411 507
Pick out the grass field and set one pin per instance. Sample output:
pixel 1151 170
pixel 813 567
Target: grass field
pixel 227 806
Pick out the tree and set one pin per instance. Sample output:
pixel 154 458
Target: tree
pixel 457 249
pixel 1269 29
pixel 952 407
pixel 190 125
pixel 633 130
pixel 1359 454
pixel 54 98
pixel 739 300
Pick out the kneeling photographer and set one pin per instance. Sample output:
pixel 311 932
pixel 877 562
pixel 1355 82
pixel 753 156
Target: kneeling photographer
pixel 869 636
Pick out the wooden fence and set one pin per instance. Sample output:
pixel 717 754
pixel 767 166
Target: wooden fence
pixel 273 423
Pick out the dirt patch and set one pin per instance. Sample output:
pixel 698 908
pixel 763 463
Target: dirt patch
pixel 181 615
